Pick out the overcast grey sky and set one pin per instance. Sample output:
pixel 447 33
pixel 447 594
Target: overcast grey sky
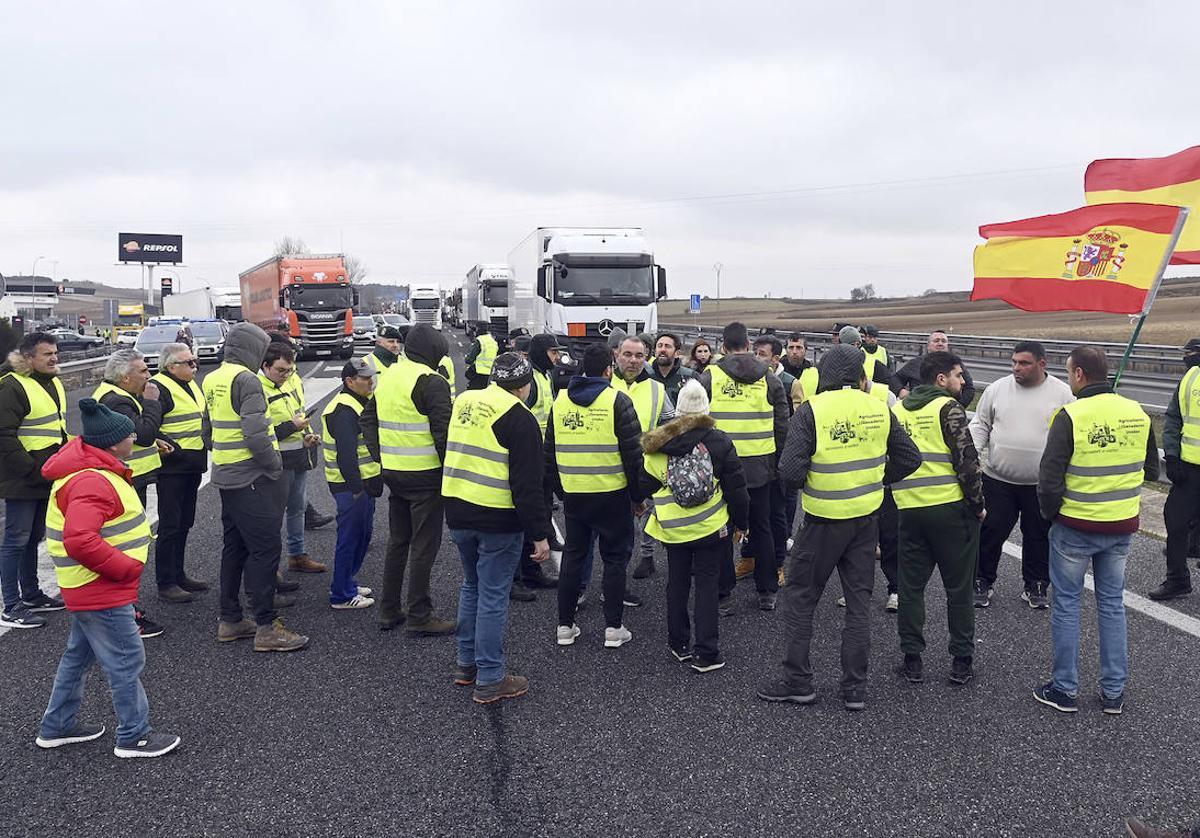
pixel 807 147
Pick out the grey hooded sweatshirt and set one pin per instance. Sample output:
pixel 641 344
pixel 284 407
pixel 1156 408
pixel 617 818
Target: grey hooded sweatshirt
pixel 245 346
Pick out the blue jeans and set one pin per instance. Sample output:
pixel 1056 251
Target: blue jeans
pixel 355 522
pixel 1071 553
pixel 489 560
pixel 108 637
pixel 24 528
pixel 293 516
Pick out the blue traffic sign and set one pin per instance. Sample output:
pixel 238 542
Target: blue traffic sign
pixel 694 306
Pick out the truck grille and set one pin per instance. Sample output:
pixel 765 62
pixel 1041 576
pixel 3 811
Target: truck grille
pixel 498 328
pixel 323 333
pixel 425 316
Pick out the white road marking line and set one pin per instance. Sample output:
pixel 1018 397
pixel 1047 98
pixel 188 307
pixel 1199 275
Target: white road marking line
pixel 1175 619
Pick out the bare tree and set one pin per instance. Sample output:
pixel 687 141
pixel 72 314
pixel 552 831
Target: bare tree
pixel 863 293
pixel 929 292
pixel 290 246
pixel 356 271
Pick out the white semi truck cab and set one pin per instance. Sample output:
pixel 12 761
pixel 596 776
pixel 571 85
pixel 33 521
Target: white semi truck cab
pixel 584 282
pixel 485 293
pixel 425 305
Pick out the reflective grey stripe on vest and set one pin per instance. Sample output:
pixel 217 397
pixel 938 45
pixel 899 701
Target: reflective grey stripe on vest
pixel 741 414
pixel 668 523
pixel 148 451
pixel 612 468
pixel 921 482
pixel 586 448
pixel 236 445
pixel 843 494
pixel 403 426
pixel 471 477
pixel 136 543
pixel 750 434
pixel 1191 420
pixel 276 397
pixel 181 434
pixel 476 451
pixel 1186 441
pixel 934 457
pixel 1102 497
pixel 32 432
pixel 654 388
pixel 180 418
pixel 288 444
pixel 124 526
pixel 1104 471
pixel 849 465
pixel 401 451
pixel 44 420
pixel 227 424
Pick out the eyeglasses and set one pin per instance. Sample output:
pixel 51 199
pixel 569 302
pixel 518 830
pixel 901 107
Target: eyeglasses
pixel 191 364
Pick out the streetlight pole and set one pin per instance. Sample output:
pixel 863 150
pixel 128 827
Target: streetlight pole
pixel 717 268
pixel 33 281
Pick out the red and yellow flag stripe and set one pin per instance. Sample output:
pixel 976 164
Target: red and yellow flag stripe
pixel 1173 180
pixel 1096 258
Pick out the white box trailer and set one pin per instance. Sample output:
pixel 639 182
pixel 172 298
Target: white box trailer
pixel 584 282
pixel 205 304
pixel 485 292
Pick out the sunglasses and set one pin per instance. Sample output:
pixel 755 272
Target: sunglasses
pixel 191 364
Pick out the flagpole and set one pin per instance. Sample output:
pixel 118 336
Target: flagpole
pixel 1150 297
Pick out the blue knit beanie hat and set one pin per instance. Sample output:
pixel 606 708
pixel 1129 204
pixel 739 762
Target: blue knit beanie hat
pixel 102 427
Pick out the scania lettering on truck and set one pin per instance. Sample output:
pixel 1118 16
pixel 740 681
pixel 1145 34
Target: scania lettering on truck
pixel 485 300
pixel 425 305
pixel 584 282
pixel 309 297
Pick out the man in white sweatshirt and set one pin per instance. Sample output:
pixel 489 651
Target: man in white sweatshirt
pixel 1011 423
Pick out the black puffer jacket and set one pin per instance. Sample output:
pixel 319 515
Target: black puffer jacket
pixel 679 437
pixel 21 470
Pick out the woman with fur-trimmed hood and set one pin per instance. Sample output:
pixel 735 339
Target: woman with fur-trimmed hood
pixel 685 460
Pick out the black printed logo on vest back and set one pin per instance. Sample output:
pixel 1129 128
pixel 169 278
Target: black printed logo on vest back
pixel 1102 435
pixel 843 431
pixel 732 388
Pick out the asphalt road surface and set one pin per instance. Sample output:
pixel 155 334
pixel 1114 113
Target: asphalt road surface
pixel 363 733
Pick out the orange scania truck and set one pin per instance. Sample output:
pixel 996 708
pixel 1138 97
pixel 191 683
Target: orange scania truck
pixel 309 297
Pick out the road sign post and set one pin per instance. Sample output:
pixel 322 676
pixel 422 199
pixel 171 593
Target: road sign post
pixel 694 308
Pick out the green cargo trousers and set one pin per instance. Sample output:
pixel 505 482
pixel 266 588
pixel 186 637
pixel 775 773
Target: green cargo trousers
pixel 946 537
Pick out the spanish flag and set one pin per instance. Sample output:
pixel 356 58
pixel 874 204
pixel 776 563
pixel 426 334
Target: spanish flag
pixel 1099 258
pixel 1153 180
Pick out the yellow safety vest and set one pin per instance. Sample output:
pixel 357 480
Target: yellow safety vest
pixel 296 384
pixel 374 363
pixel 184 425
pixel 145 459
pixel 809 379
pixel 934 482
pixel 649 399
pixel 45 425
pixel 545 400
pixel 585 445
pixel 1189 411
pixel 671 523
pixel 282 405
pixel 476 463
pixel 129 532
pixel 879 391
pixel 367 467
pixel 743 411
pixel 869 360
pixel 229 445
pixel 1104 477
pixel 845 478
pixel 405 440
pixel 488 350
pixel 447 365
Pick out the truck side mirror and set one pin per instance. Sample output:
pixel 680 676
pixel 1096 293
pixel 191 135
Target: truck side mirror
pixel 543 271
pixel 354 297
pixel 662 282
pixel 283 299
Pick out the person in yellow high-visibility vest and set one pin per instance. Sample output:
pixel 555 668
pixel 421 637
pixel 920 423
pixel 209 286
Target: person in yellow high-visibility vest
pixel 1099 450
pixel 1181 450
pixel 842 447
pixel 388 346
pixel 940 508
pixel 480 356
pixel 99 551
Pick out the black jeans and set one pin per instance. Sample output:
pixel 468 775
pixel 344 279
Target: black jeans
pixel 700 560
pixel 768 533
pixel 176 515
pixel 251 518
pixel 889 540
pixel 611 523
pixel 414 538
pixel 1180 512
pixel 945 536
pixel 1005 502
pixel 821 547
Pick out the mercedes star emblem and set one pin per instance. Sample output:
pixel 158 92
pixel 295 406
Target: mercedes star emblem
pixel 605 327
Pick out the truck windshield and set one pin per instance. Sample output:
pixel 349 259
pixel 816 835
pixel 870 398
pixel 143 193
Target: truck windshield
pixel 596 285
pixel 230 313
pixel 495 295
pixel 317 297
pixel 418 302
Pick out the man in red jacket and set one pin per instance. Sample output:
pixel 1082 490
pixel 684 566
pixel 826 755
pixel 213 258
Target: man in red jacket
pixel 99 554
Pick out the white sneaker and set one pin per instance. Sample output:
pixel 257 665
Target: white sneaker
pixel 358 602
pixel 363 590
pixel 614 637
pixel 567 635
pixel 841 602
pixel 893 603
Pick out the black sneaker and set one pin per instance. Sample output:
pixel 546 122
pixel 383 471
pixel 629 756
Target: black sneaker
pixel 1112 706
pixel 1051 696
pixel 766 602
pixel 83 732
pixel 644 568
pixel 854 700
pixel 519 593
pixel 703 665
pixel 41 602
pixel 314 520
pixel 726 606
pixel 1170 590
pixel 983 594
pixel 913 669
pixel 154 745
pixel 1035 594
pixel 782 692
pixel 682 655
pixel 283 585
pixel 961 671
pixel 20 617
pixel 147 628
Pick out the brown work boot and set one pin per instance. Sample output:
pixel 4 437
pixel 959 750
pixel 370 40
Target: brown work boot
pixel 743 568
pixel 303 564
pixel 275 638
pixel 510 686
pixel 782 578
pixel 235 631
pixel 434 625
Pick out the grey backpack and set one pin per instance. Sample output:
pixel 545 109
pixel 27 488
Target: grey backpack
pixel 690 477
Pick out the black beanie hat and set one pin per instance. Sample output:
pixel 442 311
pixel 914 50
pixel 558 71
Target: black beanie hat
pixel 511 371
pixel 103 428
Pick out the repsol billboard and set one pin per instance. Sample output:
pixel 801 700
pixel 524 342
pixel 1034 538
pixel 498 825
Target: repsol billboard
pixel 149 247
